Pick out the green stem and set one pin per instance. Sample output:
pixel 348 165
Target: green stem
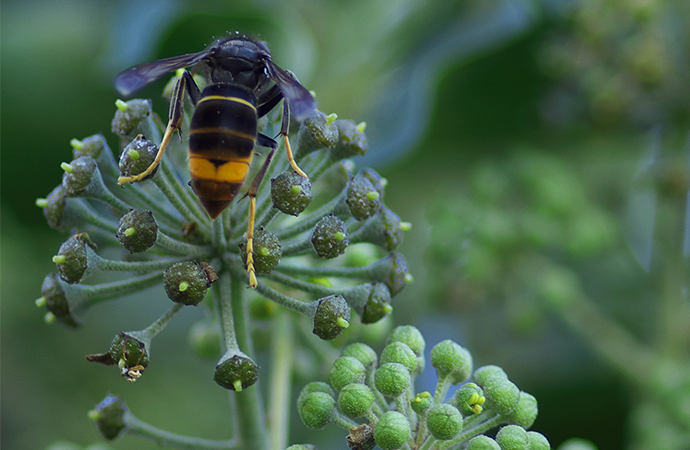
pixel 222 294
pixel 152 330
pixel 137 266
pixel 282 357
pixel 428 444
pixel 307 222
pixel 479 428
pixel 219 235
pixel 135 427
pixel 169 190
pixel 185 195
pixel 190 250
pixel 136 196
pixel 343 421
pixel 252 426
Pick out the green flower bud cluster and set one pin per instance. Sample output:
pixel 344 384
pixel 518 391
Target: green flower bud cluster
pixel 156 236
pixel 379 390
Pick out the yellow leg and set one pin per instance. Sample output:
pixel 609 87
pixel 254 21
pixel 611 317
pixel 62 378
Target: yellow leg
pixel 291 158
pixel 159 157
pixel 250 244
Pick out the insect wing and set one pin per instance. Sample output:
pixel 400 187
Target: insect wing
pixel 300 100
pixel 134 78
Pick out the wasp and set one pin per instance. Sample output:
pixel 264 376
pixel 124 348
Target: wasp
pixel 242 85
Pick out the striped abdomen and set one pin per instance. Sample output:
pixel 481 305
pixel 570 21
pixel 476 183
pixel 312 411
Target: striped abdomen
pixel 221 143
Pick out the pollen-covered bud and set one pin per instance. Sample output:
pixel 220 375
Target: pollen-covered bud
pixel 78 174
pixel 137 230
pixel 482 442
pixel 346 370
pixel 72 259
pixel 362 197
pixel 332 317
pixel 392 431
pixel 55 300
pixel 525 413
pixel 291 192
pixel 236 371
pixel 512 437
pixel 538 441
pixel 187 282
pixel 351 141
pixel 267 251
pixel 316 132
pixel 361 437
pixel 355 400
pixel 109 416
pixel 377 305
pixel 131 118
pixel 451 360
pixel 330 237
pixel 392 379
pixel 365 354
pixel 422 402
pixel 54 207
pixel 137 156
pixel 399 352
pixel 444 421
pixel 129 353
pixel 316 410
pixel 204 337
pixel 469 399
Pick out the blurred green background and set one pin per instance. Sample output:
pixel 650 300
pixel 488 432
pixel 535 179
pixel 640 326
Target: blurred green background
pixel 537 147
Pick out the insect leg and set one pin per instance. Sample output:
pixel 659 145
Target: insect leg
pixel 284 127
pixel 185 82
pixel 251 193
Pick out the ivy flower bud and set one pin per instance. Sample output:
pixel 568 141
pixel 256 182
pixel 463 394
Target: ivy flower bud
pixel 422 402
pixel 392 431
pixel 399 352
pixel 137 230
pixel 137 156
pixel 482 442
pixel 351 141
pixel 355 400
pixel 410 335
pixel 378 303
pixel 525 413
pixel 376 180
pixel 330 237
pixel 469 399
pixel 484 373
pixel 538 441
pixel 501 395
pixel 128 352
pixel 314 386
pixel 92 146
pixel 55 300
pixel 385 230
pixel 78 174
pixel 332 317
pixel 267 251
pixel 512 437
pixel 316 410
pixel 72 259
pixel 365 354
pixel 204 337
pixel 236 371
pixel 54 207
pixel 444 421
pixel 397 277
pixel 109 416
pixel 131 118
pixel 187 282
pixel 346 370
pixel 361 437
pixel 362 197
pixel 451 360
pixel 316 132
pixel 291 193
pixel 392 379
